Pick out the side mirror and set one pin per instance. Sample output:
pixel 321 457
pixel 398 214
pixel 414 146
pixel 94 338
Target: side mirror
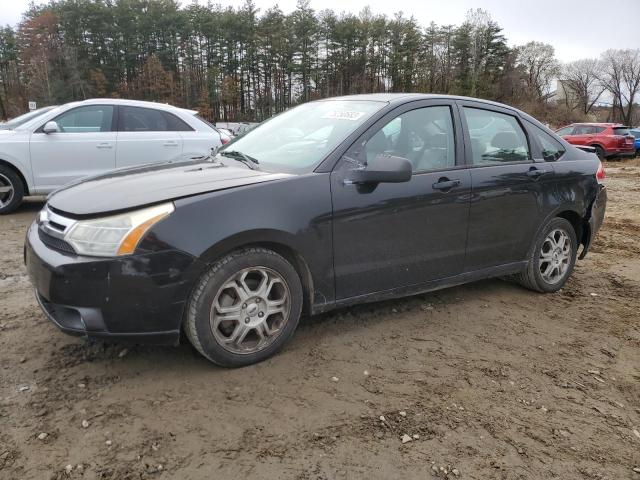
pixel 382 169
pixel 51 127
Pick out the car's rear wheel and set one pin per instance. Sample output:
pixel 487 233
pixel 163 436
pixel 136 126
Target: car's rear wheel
pixel 11 190
pixel 244 308
pixel 599 152
pixel 552 259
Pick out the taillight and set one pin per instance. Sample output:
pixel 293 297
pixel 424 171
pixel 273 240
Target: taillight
pixel 224 140
pixel 600 174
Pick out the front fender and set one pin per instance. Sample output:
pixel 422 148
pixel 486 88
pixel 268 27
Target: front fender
pixel 292 215
pixel 20 161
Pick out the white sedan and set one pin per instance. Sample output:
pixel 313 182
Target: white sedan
pixel 92 137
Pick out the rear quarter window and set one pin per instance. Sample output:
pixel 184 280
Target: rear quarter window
pixel 551 148
pixel 621 131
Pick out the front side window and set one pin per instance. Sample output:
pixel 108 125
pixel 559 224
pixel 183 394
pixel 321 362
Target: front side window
pixel 298 139
pixel 495 137
pixel 565 131
pixel 139 119
pixel 89 119
pixel 424 136
pixel 552 149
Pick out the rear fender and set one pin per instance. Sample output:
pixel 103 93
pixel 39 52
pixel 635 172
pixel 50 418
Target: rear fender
pixel 593 219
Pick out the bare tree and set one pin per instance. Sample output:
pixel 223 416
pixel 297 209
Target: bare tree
pixel 620 76
pixel 580 80
pixel 540 67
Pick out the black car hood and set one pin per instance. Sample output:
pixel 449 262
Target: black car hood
pixel 129 188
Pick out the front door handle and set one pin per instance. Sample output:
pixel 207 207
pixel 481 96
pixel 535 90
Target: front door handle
pixel 536 173
pixel 445 184
pixel 105 145
pixel 171 143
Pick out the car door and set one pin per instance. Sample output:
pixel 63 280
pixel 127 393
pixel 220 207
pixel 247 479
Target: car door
pixel 84 145
pixel 146 135
pixel 582 135
pixel 508 186
pixel 391 235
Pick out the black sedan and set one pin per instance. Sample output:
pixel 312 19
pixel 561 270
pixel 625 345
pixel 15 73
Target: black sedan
pixel 333 203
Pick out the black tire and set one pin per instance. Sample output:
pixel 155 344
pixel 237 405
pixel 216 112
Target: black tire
pixel 532 278
pixel 10 201
pixel 198 327
pixel 600 152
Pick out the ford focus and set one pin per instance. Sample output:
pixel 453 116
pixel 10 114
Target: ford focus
pixel 332 203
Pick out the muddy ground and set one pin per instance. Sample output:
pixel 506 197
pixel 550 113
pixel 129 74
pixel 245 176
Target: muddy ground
pixel 492 380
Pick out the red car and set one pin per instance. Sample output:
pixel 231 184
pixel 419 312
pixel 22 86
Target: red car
pixel 609 139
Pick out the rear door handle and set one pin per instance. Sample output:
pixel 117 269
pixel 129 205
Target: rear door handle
pixel 171 143
pixel 536 173
pixel 445 184
pixel 105 145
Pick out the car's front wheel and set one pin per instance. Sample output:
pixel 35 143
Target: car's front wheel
pixel 244 308
pixel 11 190
pixel 552 259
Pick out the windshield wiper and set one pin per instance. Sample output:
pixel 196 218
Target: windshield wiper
pixel 249 161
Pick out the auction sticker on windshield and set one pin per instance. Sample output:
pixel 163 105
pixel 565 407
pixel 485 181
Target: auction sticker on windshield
pixel 343 115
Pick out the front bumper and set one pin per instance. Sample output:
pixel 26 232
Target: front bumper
pixel 137 298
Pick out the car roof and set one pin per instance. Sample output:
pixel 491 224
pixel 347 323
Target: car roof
pixel 404 97
pixel 598 124
pixel 131 103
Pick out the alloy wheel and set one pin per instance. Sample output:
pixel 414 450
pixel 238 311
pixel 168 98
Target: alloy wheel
pixel 555 256
pixel 250 310
pixel 6 191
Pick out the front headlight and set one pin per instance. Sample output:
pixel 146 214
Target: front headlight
pixel 115 235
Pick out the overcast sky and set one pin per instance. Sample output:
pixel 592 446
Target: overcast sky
pixel 576 28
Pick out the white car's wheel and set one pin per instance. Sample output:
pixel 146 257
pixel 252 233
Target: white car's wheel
pixel 11 190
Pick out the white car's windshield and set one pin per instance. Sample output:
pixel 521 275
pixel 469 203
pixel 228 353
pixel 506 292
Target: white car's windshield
pixel 298 139
pixel 26 117
pixel 37 121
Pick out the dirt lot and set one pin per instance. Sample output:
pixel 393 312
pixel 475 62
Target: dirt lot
pixel 490 380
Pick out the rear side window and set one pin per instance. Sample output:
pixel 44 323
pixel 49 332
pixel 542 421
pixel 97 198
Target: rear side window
pixel 89 119
pixel 495 137
pixel 175 124
pixel 587 130
pixel 552 149
pixel 138 119
pixel 620 130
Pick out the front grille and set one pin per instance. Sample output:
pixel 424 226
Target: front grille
pixel 55 243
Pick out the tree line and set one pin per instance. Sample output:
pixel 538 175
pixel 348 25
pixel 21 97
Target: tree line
pixel 243 64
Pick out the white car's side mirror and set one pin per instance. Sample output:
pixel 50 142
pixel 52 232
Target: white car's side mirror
pixel 51 127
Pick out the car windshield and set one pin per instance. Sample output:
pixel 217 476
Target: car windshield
pixel 24 118
pixel 298 139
